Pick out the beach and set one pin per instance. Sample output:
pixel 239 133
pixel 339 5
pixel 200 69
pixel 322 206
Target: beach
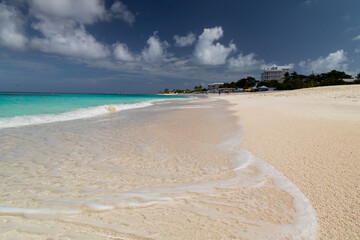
pixel 274 165
pixel 172 170
pixel 312 136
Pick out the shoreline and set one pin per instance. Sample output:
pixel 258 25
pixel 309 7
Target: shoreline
pixel 311 136
pixel 182 176
pixel 199 180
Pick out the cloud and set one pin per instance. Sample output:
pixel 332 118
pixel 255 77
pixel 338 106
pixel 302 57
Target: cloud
pixel 356 38
pixel 11 28
pixel 185 41
pixel 208 53
pixel 156 49
pixel 245 63
pixel 346 17
pixel 310 2
pixel 120 10
pixel 290 66
pixel 336 60
pixel 121 52
pixel 66 37
pixel 82 11
pixel 62 25
pixel 307 2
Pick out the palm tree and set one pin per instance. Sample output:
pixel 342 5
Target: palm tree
pixel 286 77
pixel 357 78
pixel 294 75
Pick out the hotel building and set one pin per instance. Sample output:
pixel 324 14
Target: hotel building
pixel 214 86
pixel 274 73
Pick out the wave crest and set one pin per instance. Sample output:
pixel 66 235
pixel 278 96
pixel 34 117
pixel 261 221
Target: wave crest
pixel 19 121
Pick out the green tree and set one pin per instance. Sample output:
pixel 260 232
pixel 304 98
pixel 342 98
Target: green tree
pixel 291 84
pixel 332 78
pixel 198 88
pixel 245 82
pixel 310 83
pixel 331 81
pixel 357 81
pixel 229 85
pixel 286 77
pixel 294 75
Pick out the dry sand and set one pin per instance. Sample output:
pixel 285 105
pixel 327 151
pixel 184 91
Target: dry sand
pixel 312 136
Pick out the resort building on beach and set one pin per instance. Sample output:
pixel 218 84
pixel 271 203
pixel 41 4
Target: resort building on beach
pixel 349 80
pixel 214 86
pixel 274 73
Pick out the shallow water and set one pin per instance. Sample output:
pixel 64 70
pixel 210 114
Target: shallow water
pixel 173 170
pixel 22 109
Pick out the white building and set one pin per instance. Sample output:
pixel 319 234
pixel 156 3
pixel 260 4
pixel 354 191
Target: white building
pixel 349 80
pixel 274 73
pixel 214 86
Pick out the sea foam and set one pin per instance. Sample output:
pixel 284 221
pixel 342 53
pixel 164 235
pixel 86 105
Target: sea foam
pixel 19 121
pixel 48 211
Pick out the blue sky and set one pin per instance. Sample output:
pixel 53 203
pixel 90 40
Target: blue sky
pixel 145 46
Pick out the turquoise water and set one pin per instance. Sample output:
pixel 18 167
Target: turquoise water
pixel 20 104
pixel 19 109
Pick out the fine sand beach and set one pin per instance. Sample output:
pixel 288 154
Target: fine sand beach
pixel 312 136
pixel 179 120
pixel 274 165
pixel 173 170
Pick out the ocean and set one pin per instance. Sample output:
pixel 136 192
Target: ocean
pixel 20 109
pixel 138 167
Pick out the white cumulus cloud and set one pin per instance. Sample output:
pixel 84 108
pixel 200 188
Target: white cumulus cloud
pixel 356 38
pixel 209 53
pixel 156 49
pixel 121 52
pixel 83 11
pixel 120 10
pixel 62 25
pixel 245 62
pixel 185 40
pixel 11 28
pixel 67 37
pixel 336 60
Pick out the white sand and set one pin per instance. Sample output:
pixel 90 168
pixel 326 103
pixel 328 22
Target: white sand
pixel 313 137
pixel 175 175
pixel 170 178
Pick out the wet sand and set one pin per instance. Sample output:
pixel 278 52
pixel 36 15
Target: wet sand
pixel 171 171
pixel 312 136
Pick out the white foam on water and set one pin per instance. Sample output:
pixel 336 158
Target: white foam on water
pixel 47 211
pixel 19 121
pixel 194 106
pixel 99 207
pixel 304 223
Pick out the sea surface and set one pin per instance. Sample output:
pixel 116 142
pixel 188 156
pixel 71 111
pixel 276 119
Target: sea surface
pixel 142 167
pixel 20 109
